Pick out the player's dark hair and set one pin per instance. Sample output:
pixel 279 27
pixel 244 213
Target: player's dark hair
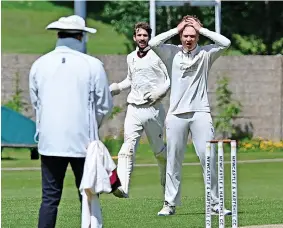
pixel 143 25
pixel 63 35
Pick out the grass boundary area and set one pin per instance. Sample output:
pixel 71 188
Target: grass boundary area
pixel 23 30
pixel 155 165
pixel 259 199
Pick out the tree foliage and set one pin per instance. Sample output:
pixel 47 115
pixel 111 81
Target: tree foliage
pixel 227 109
pixel 255 28
pixel 16 103
pixel 124 14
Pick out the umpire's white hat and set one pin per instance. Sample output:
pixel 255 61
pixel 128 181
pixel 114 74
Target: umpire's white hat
pixel 70 24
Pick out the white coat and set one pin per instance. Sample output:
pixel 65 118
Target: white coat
pixel 70 93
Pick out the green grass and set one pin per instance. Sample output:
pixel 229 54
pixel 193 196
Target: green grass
pixel 260 199
pixel 259 189
pixel 23 29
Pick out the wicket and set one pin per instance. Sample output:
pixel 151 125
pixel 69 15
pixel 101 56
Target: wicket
pixel 221 183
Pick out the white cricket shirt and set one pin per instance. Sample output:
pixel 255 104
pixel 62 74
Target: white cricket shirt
pixel 145 74
pixel 189 70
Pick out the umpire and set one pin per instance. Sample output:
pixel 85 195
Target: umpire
pixel 70 94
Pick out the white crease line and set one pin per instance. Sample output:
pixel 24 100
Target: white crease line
pixel 154 165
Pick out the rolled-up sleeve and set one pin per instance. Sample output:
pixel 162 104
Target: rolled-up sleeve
pixel 102 96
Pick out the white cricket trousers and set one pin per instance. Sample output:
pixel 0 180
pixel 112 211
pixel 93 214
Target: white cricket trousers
pixel 177 130
pixel 141 118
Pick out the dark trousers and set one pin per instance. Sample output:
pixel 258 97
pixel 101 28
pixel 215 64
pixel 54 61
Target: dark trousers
pixel 53 171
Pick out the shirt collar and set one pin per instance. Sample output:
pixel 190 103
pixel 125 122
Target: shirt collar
pixel 193 52
pixel 145 49
pixel 71 43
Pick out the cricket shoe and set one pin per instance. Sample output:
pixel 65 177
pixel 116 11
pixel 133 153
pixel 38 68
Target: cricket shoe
pixel 167 210
pixel 216 208
pixel 119 192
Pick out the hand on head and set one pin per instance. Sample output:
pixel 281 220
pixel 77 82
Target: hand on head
pixel 189 21
pixel 194 23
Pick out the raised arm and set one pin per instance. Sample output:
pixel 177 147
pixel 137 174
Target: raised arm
pixel 156 41
pixel 221 43
pixel 165 51
pixel 163 37
pixel 219 39
pixel 102 97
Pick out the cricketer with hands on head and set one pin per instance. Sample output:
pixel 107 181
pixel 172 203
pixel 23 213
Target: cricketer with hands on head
pixel 70 94
pixel 188 66
pixel 149 81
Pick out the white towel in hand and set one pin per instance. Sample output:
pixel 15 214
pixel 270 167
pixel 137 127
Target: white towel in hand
pixel 96 179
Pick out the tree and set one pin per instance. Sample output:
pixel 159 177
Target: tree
pixel 124 14
pixel 255 28
pixel 16 103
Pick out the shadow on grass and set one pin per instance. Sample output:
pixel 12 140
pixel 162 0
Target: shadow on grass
pixel 243 131
pixel 8 159
pixel 202 213
pixel 190 213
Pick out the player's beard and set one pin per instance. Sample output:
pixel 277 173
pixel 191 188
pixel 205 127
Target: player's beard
pixel 143 47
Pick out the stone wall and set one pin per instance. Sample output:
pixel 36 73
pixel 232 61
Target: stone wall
pixel 256 81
